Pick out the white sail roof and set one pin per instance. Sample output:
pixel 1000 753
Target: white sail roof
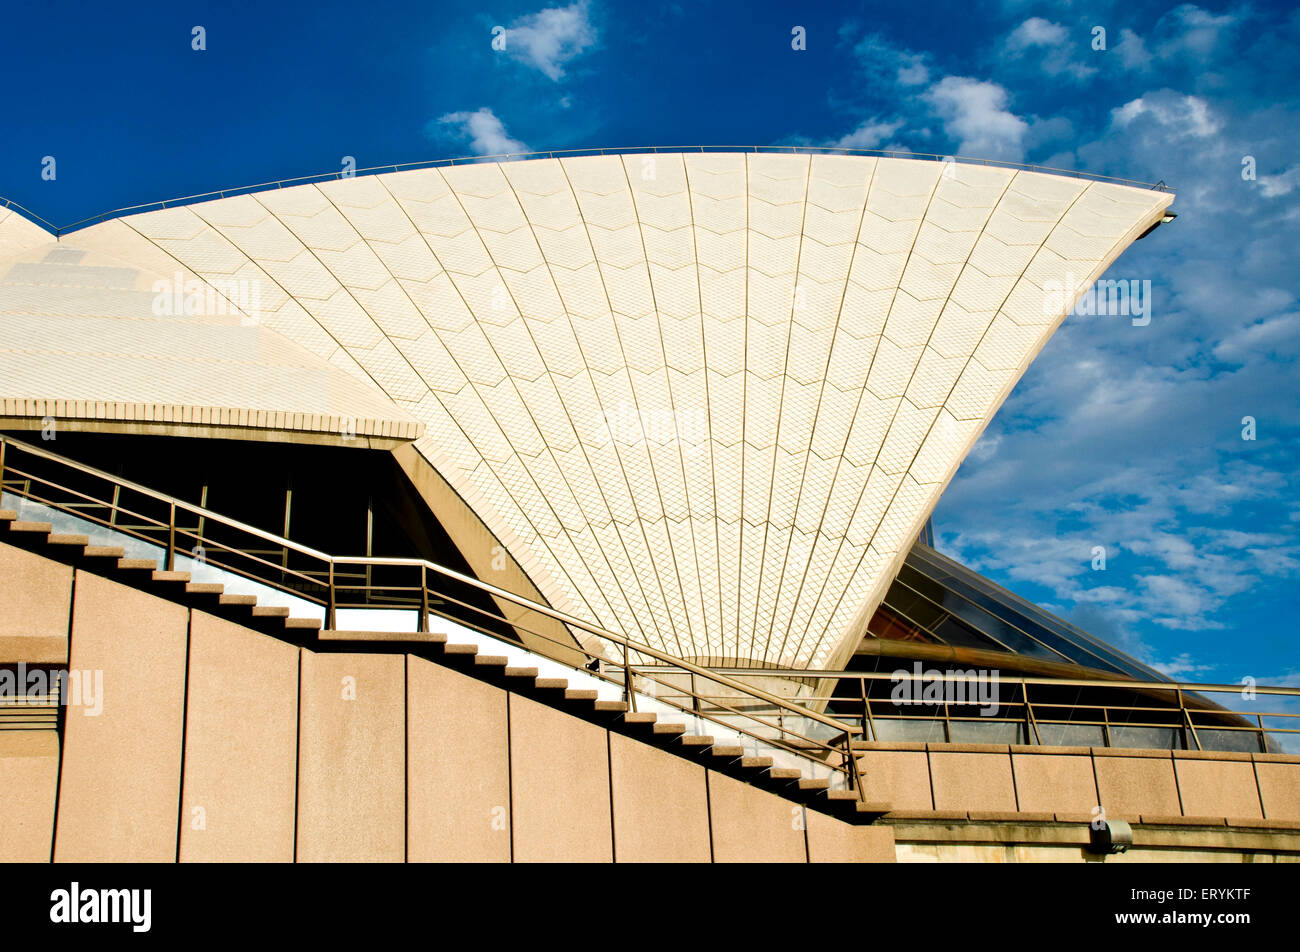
pixel 707 400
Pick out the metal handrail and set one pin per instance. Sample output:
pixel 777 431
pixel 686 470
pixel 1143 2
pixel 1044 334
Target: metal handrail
pixel 174 505
pixel 554 153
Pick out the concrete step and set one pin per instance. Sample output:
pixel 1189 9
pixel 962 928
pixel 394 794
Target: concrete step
pixel 697 740
pixel 552 684
pixel 171 575
pixel 526 674
pixel 270 611
pixel 612 707
pixel 105 552
pixel 491 661
pixel 146 565
pixel 755 761
pixel 392 637
pixel 303 624
pixel 204 588
pixel 464 651
pixel 64 538
pixel 249 600
pixel 36 528
pixel 581 694
pixel 7 515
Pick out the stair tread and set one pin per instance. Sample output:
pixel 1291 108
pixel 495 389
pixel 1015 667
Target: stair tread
pixel 728 750
pixel 512 672
pixel 19 525
pixel 492 661
pixel 7 515
pixel 271 611
pixel 66 538
pixel 613 706
pixel 640 717
pixel 553 684
pixel 205 588
pixel 344 634
pixel 233 599
pixel 308 623
pixel 697 740
pixel 581 694
pixel 461 649
pixel 105 551
pixel 148 564
pixel 170 575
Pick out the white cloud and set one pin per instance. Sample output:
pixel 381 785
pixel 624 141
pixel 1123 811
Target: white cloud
pixel 1132 50
pixel 868 135
pixel 974 112
pixel 1192 30
pixel 485 132
pixel 1183 116
pixel 1273 186
pixel 1036 32
pixel 887 63
pixel 1052 42
pixel 551 38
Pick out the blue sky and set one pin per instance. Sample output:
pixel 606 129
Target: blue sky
pixel 1119 436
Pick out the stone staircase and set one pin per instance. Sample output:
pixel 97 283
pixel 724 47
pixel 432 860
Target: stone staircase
pixel 274 620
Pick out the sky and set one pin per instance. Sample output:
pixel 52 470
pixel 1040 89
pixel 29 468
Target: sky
pixel 1124 437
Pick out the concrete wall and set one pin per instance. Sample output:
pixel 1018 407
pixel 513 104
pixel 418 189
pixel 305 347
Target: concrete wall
pixel 218 743
pixel 959 779
pixel 215 742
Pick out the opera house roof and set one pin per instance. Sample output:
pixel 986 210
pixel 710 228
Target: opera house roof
pixel 704 399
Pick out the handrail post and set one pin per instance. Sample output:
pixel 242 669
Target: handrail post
pixel 424 599
pixel 329 607
pixel 628 694
pixel 171 536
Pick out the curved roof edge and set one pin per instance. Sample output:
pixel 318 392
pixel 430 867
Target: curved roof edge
pixel 58 230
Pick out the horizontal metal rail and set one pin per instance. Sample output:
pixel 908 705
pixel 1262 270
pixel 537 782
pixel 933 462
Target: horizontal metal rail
pixel 58 230
pixel 175 506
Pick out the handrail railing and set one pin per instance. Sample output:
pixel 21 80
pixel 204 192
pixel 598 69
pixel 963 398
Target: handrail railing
pixel 325 582
pixel 1188 710
pixel 58 230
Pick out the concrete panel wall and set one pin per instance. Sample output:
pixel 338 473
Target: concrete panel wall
pixel 1279 786
pixel 241 745
pixel 752 825
pixel 559 769
pixel 1133 783
pixel 972 777
pixel 1053 780
pixel 352 758
pixel 1223 786
pixel 29 777
pixel 34 610
pixel 661 805
pixel 120 789
pixel 897 774
pixel 458 767
pixel 834 841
